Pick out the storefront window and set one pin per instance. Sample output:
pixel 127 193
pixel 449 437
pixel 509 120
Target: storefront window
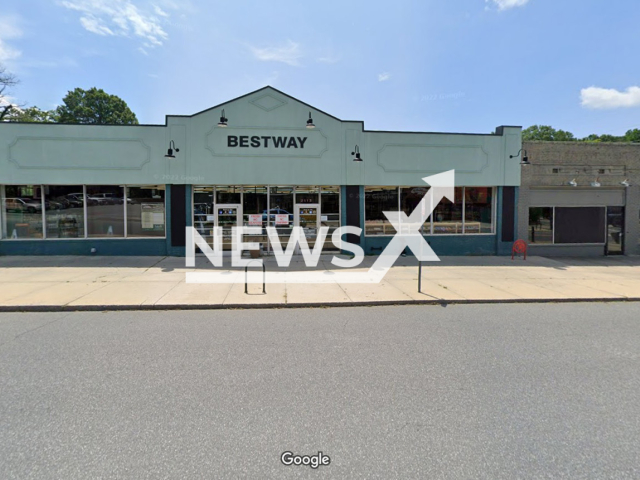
pixel 376 201
pixel 478 203
pixel 330 212
pixel 64 211
pixel 447 217
pixel 145 211
pixel 541 225
pixel 22 209
pixel 254 210
pixel 307 194
pixel 228 194
pixel 105 211
pixel 410 197
pixel 203 217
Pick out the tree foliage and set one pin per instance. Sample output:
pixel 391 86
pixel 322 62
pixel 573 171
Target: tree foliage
pixel 31 114
pixel 94 106
pixel 547 134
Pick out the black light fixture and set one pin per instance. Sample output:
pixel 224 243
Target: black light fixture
pixel 357 157
pixel 170 150
pixel 525 158
pixel 223 120
pixel 310 122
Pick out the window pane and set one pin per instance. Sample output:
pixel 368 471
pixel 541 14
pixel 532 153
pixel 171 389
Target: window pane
pixel 477 210
pixel 229 194
pixel 281 203
pixel 145 211
pixel 447 217
pixel 203 210
pixel 64 211
pixel 22 207
pixel 307 194
pixel 409 199
pixel 254 211
pixel 541 225
pixel 330 212
pixel 376 201
pixel 105 211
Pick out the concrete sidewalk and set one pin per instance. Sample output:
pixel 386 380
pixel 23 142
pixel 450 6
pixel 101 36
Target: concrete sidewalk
pixel 103 283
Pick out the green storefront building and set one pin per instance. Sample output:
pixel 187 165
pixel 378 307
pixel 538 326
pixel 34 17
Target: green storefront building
pixel 263 159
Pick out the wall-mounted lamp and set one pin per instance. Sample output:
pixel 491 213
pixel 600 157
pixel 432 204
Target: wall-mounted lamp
pixel 357 157
pixel 597 183
pixel 170 150
pixel 223 120
pixel 310 122
pixel 573 183
pixel 525 158
pixel 625 183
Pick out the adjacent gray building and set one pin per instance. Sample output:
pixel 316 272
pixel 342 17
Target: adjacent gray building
pixel 580 199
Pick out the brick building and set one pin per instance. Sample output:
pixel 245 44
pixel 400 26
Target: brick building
pixel 580 199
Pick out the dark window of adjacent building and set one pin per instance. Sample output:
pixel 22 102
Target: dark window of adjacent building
pixel 580 225
pixel 541 225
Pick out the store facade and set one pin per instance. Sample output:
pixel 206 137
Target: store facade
pixel 264 159
pixel 581 199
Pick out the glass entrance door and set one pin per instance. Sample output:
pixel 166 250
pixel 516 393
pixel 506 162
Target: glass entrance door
pixel 307 216
pixel 615 230
pixel 227 217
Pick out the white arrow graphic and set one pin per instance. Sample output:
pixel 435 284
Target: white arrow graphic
pixel 408 234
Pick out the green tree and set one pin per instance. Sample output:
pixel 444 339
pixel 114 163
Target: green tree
pixel 547 134
pixel 632 135
pixel 94 106
pixel 31 114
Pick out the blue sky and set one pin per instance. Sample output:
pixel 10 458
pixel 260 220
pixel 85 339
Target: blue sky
pixel 427 65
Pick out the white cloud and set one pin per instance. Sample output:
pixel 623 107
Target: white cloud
pixel 9 30
pixel 289 53
pixel 383 77
pixel 607 98
pixel 120 18
pixel 507 4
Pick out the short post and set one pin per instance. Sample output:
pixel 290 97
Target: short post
pixel 419 276
pixel 264 278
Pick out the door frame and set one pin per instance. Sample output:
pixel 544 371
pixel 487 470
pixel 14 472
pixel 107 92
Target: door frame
pixel 622 230
pixel 296 218
pixel 237 206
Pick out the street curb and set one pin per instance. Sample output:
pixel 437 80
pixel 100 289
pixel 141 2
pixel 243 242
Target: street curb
pixel 442 303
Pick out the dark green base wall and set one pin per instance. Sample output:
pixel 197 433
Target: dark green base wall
pixel 129 246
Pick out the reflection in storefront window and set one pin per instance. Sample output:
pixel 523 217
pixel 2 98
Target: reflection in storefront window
pixel 410 197
pixel 477 209
pixel 64 211
pixel 541 225
pixel 22 209
pixel 254 210
pixel 228 194
pixel 376 201
pixel 105 212
pixel 330 212
pixel 447 217
pixel 145 211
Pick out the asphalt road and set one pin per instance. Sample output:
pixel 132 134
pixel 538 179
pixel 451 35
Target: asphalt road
pixel 461 392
